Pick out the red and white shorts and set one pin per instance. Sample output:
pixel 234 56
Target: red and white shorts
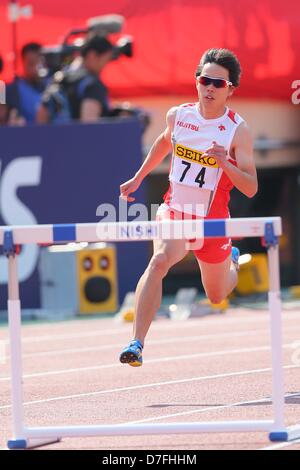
pixel 211 250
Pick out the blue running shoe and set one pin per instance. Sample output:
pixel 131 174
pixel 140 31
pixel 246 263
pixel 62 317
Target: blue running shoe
pixel 132 354
pixel 235 254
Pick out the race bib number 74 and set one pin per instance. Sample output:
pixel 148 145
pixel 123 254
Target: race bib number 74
pixel 190 167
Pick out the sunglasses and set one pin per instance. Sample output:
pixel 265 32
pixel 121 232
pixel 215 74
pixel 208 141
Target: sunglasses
pixel 217 82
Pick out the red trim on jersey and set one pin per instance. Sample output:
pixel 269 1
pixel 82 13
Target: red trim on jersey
pixel 167 195
pixel 231 114
pixel 188 104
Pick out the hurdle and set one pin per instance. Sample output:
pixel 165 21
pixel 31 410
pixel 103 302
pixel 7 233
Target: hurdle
pixel 269 229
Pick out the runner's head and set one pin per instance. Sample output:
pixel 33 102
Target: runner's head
pixel 217 75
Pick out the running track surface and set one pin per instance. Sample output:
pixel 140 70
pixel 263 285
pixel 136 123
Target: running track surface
pixel 202 369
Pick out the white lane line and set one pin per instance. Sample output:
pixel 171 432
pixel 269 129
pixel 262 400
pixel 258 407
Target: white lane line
pixel 181 357
pixel 239 334
pixel 203 410
pixel 149 385
pixel 55 352
pixel 281 445
pixel 87 334
pixel 165 325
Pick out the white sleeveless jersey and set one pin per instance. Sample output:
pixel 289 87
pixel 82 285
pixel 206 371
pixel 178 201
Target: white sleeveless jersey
pixel 193 178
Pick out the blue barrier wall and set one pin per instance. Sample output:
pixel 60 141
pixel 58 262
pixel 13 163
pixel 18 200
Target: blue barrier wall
pixel 60 174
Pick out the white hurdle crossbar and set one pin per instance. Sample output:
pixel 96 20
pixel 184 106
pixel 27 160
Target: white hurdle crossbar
pixel 267 228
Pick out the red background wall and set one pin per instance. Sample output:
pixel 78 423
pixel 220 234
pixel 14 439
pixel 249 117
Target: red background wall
pixel 170 37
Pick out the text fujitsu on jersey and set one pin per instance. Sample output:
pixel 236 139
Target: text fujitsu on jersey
pixel 197 184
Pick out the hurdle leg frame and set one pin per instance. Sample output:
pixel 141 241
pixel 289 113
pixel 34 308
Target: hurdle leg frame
pixel 20 439
pixel 25 437
pixel 279 431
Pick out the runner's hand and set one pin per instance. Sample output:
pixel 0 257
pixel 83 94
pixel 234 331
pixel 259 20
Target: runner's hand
pixel 129 187
pixel 218 152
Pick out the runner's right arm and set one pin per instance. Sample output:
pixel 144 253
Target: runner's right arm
pixel 159 150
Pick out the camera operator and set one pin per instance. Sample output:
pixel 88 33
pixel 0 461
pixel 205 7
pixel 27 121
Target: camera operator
pixel 23 94
pixel 78 92
pixel 96 53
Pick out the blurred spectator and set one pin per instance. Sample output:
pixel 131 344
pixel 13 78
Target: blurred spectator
pixel 23 95
pixel 2 106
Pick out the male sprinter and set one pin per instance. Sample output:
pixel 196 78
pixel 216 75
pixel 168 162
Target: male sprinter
pixel 211 152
